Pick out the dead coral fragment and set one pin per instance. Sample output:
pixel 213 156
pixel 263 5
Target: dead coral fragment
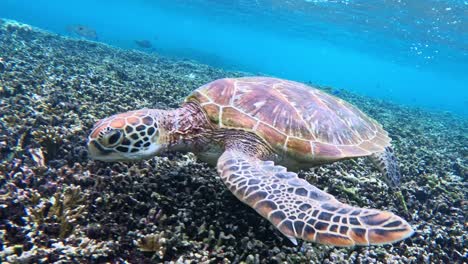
pixel 153 243
pixel 2 64
pixel 50 138
pixel 38 156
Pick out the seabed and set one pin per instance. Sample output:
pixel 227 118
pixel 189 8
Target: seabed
pixel 59 206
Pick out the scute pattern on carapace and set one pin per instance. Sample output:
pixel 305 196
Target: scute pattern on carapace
pixel 290 116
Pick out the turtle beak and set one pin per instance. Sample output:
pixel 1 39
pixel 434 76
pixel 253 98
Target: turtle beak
pixel 97 152
pixel 93 149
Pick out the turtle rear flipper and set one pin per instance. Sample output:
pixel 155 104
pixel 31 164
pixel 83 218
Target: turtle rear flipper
pixel 387 163
pixel 300 210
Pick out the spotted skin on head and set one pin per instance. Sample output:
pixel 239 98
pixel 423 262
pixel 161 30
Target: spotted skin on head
pixel 126 133
pixel 300 210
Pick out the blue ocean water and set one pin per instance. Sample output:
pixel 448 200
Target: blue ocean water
pixel 411 52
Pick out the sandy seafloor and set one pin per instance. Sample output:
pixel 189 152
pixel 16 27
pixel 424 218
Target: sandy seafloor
pixel 66 208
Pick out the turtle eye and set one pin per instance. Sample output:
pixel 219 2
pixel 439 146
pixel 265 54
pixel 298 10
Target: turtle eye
pixel 113 138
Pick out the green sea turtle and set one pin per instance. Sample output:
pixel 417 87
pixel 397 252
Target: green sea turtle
pixel 246 126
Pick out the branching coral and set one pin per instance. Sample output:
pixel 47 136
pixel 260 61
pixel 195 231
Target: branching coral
pixel 64 209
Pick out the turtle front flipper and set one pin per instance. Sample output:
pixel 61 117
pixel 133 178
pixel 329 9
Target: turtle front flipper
pixel 387 163
pixel 300 210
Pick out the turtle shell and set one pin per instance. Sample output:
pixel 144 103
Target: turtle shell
pixel 303 121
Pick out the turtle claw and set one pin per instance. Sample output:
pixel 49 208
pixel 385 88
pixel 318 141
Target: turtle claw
pixel 293 240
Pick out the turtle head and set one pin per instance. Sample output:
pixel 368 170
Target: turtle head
pixel 127 136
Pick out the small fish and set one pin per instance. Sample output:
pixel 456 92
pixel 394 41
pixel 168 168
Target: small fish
pixel 146 44
pixel 336 92
pixel 83 31
pixel 2 65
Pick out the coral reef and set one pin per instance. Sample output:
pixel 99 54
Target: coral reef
pixel 59 206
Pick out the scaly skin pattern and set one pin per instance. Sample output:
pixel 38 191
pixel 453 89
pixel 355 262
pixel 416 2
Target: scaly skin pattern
pixel 131 135
pixel 247 125
pixel 300 210
pixel 139 127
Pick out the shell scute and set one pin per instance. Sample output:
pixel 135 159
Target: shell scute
pixel 219 92
pixel 326 151
pixel 299 148
pixel 271 135
pixel 212 111
pixel 354 151
pixel 271 107
pixel 198 96
pixel 371 146
pixel 232 117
